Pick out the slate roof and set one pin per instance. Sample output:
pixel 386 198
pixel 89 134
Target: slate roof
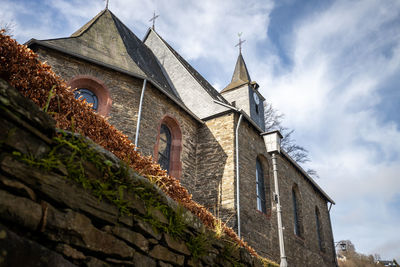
pixel 107 40
pixel 240 76
pixel 199 78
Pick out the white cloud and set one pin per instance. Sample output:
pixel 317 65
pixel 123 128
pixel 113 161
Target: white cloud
pixel 340 58
pixel 330 95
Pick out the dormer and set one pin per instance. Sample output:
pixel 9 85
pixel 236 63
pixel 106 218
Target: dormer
pixel 244 94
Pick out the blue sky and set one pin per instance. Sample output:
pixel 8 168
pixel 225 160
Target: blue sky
pixel 332 67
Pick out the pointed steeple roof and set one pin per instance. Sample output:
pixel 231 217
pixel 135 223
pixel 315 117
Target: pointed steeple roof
pixel 240 75
pixel 106 40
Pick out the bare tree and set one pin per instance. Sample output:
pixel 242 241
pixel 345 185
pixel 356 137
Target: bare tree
pixel 8 27
pixel 273 121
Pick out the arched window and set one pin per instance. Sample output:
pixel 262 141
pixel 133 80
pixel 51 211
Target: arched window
pixel 94 91
pixel 167 150
pixel 164 147
pixel 297 216
pixel 89 96
pixel 260 187
pixel 319 229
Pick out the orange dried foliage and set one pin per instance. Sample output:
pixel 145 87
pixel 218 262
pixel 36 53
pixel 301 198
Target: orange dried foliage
pixel 21 67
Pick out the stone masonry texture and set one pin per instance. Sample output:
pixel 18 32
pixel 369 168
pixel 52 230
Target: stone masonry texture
pixel 125 94
pixel 208 165
pixel 47 219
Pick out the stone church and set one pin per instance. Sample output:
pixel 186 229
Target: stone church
pixel 213 142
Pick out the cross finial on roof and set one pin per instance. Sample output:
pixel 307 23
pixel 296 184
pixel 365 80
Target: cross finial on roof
pixel 240 42
pixel 153 19
pixel 106 4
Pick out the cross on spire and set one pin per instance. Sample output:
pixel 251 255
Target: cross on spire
pixel 240 42
pixel 106 4
pixel 153 19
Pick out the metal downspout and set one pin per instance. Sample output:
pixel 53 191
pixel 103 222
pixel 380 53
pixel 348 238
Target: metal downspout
pixel 237 160
pixel 333 242
pixel 140 114
pixel 279 213
pixel 237 172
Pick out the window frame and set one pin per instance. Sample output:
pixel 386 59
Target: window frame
pixel 260 188
pixel 175 164
pixel 297 212
pixel 80 94
pixel 97 87
pixel 164 157
pixel 319 228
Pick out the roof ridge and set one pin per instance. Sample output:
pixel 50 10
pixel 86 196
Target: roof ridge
pixel 89 24
pixel 195 74
pixel 150 67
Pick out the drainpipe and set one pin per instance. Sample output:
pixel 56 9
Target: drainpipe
pixel 140 114
pixel 237 161
pixel 237 172
pixel 272 142
pixel 279 212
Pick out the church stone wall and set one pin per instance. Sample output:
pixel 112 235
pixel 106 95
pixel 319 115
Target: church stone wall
pixel 256 227
pixel 260 230
pixel 304 250
pixel 125 94
pixel 215 165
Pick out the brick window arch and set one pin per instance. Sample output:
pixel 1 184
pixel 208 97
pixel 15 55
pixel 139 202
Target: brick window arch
pixel 297 211
pixel 168 147
pixel 97 88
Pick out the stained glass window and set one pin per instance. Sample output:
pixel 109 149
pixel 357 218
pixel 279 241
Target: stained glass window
pixel 83 93
pixel 319 229
pixel 296 214
pixel 164 147
pixel 260 187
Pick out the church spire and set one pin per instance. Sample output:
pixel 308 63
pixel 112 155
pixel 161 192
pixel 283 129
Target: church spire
pixel 240 75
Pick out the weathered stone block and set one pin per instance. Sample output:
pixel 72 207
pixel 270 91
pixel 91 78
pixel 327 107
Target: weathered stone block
pixel 20 210
pixel 16 250
pixel 164 254
pixel 147 228
pixel 177 245
pixel 132 237
pixel 142 260
pixel 19 187
pixel 70 252
pixel 78 230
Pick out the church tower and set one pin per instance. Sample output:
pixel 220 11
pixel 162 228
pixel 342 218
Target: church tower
pixel 244 94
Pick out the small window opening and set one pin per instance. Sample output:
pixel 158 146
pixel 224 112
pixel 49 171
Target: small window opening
pixel 164 147
pixel 260 187
pixel 89 96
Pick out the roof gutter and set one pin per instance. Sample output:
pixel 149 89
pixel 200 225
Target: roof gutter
pixel 311 180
